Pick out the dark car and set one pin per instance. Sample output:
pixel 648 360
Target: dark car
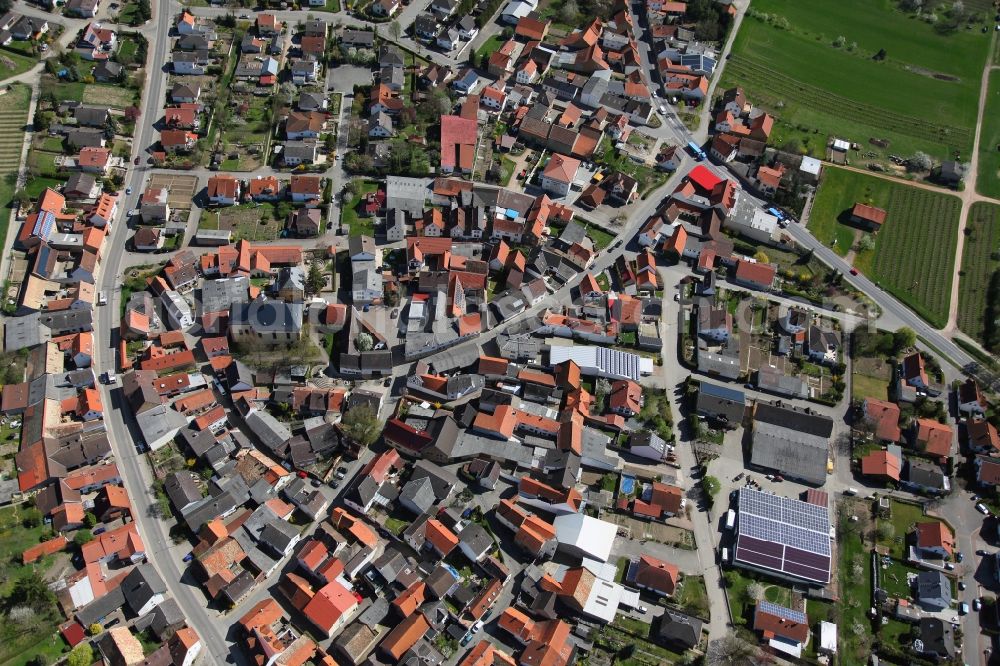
pixel 136 162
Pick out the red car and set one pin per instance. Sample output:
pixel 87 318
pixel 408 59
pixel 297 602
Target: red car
pixel 854 271
pixel 302 474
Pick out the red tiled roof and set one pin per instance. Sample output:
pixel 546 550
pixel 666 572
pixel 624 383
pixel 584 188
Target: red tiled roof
pixel 881 463
pixel 885 416
pixel 935 534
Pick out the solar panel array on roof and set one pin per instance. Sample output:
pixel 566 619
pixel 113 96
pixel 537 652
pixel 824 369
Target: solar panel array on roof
pixel 723 392
pixel 786 536
pixel 782 612
pixel 618 363
pixel 44 224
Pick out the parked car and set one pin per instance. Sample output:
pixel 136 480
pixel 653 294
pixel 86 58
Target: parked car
pixel 189 557
pixel 981 508
pixel 959 556
pixel 128 191
pixel 981 552
pixel 977 604
pixel 136 161
pixel 963 608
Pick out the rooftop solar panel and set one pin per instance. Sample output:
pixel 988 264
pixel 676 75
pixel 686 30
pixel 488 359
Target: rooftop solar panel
pixel 785 535
pixel 782 612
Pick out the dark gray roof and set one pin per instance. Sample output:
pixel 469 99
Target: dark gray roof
pixel 476 538
pixel 271 432
pixel 721 401
pixel 933 589
pixel 417 495
pixel 101 607
pixel 221 295
pixel 925 474
pixel 141 585
pixel 679 629
pixel 936 638
pixel 795 419
pixel 442 480
pixel 278 535
pixel 182 489
pixel 199 441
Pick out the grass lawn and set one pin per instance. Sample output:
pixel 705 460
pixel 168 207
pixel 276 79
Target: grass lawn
pixel 19 648
pixel 895 581
pixel 330 6
pixel 978 265
pixel 866 386
pixel 35 186
pixel 855 597
pixel 254 126
pixel 507 166
pixel 601 238
pixel 13 116
pixel 736 582
pixel 921 96
pixel 489 46
pixel 988 180
pixel 914 253
pixel 117 97
pixel 63 90
pixel 904 517
pixel 12 63
pixel 693 596
pixel 254 223
pixel 128 13
pixel 395 525
pixel 621 569
pixel 359 226
pixel 128 49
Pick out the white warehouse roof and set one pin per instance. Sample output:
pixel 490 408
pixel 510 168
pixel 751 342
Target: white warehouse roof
pixel 585 536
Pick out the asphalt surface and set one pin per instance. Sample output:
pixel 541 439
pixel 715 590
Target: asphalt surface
pixel 135 471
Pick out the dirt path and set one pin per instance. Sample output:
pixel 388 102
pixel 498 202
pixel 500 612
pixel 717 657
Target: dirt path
pixel 969 195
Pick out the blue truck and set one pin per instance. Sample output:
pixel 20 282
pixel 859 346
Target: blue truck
pixel 696 151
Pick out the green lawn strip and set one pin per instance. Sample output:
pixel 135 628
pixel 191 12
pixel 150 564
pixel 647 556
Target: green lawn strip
pixel 982 240
pixel 866 386
pixel 63 90
pixel 778 69
pixel 904 517
pixel 359 226
pixel 894 579
pixel 914 253
pixel 601 238
pixel 13 63
pixel 507 166
pixel 489 46
pixel 855 596
pixel 693 596
pixel 13 116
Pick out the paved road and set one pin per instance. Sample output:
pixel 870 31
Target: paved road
pixel 135 471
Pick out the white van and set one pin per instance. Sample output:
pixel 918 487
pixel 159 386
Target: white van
pixel 102 298
pixel 725 555
pixel 730 519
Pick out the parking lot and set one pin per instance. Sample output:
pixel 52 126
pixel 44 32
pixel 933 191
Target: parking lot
pixel 181 188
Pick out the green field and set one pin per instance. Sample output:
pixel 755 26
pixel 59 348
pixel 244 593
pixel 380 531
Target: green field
pixel 978 264
pixel 922 96
pixel 914 253
pixel 13 117
pixel 988 178
pixel 12 63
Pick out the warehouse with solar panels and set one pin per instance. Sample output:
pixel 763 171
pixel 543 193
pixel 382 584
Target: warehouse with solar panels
pixel 783 537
